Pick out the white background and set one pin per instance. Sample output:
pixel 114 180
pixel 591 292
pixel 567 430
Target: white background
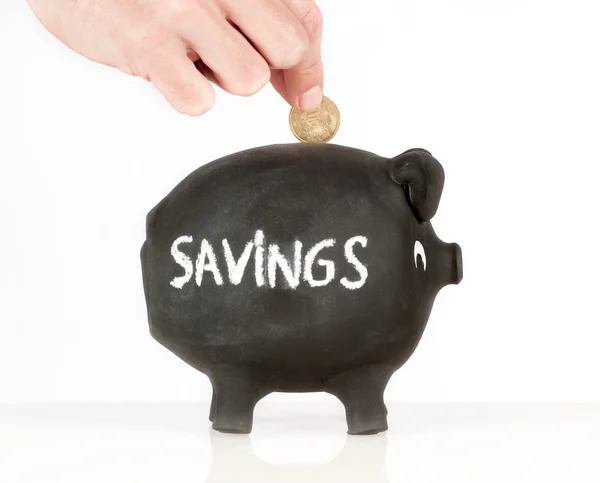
pixel 300 443
pixel 506 94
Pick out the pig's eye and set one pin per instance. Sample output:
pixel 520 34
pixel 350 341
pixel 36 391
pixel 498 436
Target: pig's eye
pixel 419 250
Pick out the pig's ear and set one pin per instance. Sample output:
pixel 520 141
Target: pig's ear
pixel 422 177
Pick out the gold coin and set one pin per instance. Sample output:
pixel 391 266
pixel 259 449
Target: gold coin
pixel 317 126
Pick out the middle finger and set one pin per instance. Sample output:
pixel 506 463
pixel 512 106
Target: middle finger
pixel 272 28
pixel 237 66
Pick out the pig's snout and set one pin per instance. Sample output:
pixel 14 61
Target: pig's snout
pixel 452 272
pixel 458 263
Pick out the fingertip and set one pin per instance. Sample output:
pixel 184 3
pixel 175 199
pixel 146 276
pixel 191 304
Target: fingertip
pixel 304 85
pixel 189 98
pixel 199 106
pixel 183 86
pixel 311 99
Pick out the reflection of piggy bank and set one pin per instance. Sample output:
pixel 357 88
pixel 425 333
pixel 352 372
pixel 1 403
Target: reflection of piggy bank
pixel 361 460
pixel 298 268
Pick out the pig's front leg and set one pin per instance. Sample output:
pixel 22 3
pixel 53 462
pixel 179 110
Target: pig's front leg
pixel 361 392
pixel 235 394
pixel 213 404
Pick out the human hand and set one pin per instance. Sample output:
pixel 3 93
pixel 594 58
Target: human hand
pixel 181 45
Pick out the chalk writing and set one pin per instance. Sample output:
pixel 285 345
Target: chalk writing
pixel 277 268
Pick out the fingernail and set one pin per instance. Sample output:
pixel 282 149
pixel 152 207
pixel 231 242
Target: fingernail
pixel 311 99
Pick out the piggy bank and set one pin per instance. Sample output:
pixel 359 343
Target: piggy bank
pixel 298 268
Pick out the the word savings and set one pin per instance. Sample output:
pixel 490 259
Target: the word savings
pixel 268 263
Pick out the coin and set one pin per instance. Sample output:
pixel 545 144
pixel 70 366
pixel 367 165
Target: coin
pixel 317 126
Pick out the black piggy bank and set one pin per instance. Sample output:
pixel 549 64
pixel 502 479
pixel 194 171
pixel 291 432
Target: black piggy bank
pixel 298 268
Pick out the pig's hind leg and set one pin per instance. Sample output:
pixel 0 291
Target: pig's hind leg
pixel 235 394
pixel 361 392
pixel 213 405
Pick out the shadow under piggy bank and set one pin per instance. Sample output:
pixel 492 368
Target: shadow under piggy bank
pixel 361 460
pixel 298 268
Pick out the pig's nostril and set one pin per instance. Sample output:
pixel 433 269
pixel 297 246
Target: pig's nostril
pixel 458 263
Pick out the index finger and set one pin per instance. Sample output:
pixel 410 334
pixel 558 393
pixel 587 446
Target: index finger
pixel 302 85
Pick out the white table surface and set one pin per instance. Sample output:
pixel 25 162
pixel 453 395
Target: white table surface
pixel 293 443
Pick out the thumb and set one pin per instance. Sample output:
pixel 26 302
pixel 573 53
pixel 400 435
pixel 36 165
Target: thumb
pixel 302 85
